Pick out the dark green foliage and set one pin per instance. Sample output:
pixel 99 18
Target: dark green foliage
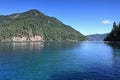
pixel 114 34
pixel 33 23
pixel 114 25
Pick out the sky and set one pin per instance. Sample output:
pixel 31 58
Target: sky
pixel 86 16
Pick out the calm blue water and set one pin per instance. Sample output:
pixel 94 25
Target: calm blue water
pixel 60 61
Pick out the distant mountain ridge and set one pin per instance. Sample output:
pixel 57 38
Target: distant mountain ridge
pixel 33 25
pixel 97 37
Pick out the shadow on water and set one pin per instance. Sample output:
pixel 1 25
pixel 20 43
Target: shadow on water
pixel 115 50
pixel 116 59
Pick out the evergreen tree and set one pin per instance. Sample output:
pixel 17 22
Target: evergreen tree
pixel 114 25
pixel 114 34
pixel 119 25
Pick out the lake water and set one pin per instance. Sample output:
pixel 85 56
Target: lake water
pixel 60 61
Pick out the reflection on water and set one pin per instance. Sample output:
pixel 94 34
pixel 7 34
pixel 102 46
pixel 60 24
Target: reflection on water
pixel 59 61
pixel 116 59
pixel 20 45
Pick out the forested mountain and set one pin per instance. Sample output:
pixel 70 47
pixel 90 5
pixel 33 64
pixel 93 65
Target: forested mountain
pixel 97 37
pixel 114 34
pixel 36 26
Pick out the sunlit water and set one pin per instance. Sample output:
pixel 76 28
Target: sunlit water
pixel 59 61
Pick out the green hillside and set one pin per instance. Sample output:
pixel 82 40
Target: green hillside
pixel 34 23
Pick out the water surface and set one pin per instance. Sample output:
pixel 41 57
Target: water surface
pixel 59 61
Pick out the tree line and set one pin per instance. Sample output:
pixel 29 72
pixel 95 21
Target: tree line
pixel 114 34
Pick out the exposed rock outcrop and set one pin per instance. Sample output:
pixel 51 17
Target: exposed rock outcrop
pixel 27 39
pixel 36 38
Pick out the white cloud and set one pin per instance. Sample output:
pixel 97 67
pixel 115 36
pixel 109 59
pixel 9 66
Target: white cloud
pixel 107 22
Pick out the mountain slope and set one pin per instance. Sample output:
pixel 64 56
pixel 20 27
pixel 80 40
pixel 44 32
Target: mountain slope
pixel 35 25
pixel 97 37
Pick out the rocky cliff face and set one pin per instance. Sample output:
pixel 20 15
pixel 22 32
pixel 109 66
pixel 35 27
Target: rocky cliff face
pixel 36 38
pixel 26 39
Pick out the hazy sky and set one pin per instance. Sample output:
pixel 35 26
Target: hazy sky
pixel 86 16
